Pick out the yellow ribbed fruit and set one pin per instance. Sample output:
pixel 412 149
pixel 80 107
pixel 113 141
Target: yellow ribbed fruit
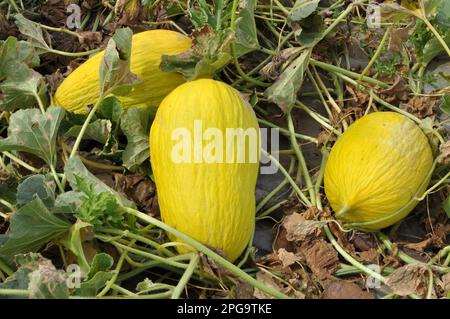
pixel 205 187
pixel 81 87
pixel 377 169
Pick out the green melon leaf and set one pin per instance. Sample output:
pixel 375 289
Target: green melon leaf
pixel 33 132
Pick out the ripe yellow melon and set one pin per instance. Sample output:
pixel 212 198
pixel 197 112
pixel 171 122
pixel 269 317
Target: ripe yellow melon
pixel 207 196
pixel 81 88
pixel 376 169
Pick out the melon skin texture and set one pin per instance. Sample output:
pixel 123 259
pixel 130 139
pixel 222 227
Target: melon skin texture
pixel 81 88
pixel 213 202
pixel 376 169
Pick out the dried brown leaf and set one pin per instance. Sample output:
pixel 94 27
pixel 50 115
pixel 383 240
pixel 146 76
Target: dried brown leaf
pixel 445 282
pixel 420 246
pixel 128 11
pixel 273 69
pixel 371 256
pixel 397 92
pixel 287 258
pixel 54 80
pixel 342 238
pixel 268 281
pixel 325 137
pixel 89 40
pixel 243 290
pixel 298 228
pixel 358 98
pixel 420 106
pixel 281 241
pixel 408 279
pixel 274 283
pixel 364 241
pixel 391 261
pixel 398 37
pixel 444 156
pixel 139 189
pixel 321 258
pixel 342 289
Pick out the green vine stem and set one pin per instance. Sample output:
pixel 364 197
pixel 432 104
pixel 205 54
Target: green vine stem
pixel 320 176
pixel 142 253
pixel 301 160
pixel 234 53
pixel 123 291
pixel 287 133
pixel 248 250
pixel 154 263
pixel 85 126
pixel 7 204
pixel 281 7
pixel 316 117
pixel 165 22
pixel 346 270
pixel 432 188
pixel 203 249
pixel 40 103
pixel 5 268
pixel 430 284
pixel 64 30
pixel 350 259
pixel 335 69
pixel 14 292
pixel 277 189
pixel 20 162
pixel 441 254
pixel 377 53
pixel 114 277
pixel 13 4
pixel 161 295
pixel 324 90
pixel 405 257
pixel 269 210
pixel 319 92
pixel 299 192
pixel 74 54
pixel 137 237
pixel 436 34
pixel 186 276
pixel 90 163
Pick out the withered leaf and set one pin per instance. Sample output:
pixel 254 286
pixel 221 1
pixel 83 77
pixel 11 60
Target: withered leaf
pixel 397 92
pixel 370 256
pixel 420 246
pixel 272 69
pixel 128 11
pixel 287 258
pixel 444 156
pixel 408 279
pixel 420 106
pixel 320 257
pixel 342 289
pixel 268 281
pixel 209 52
pixel 276 284
pixel 139 189
pixel 88 39
pixel 298 228
pixel 445 279
pixel 364 241
pixel 398 37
